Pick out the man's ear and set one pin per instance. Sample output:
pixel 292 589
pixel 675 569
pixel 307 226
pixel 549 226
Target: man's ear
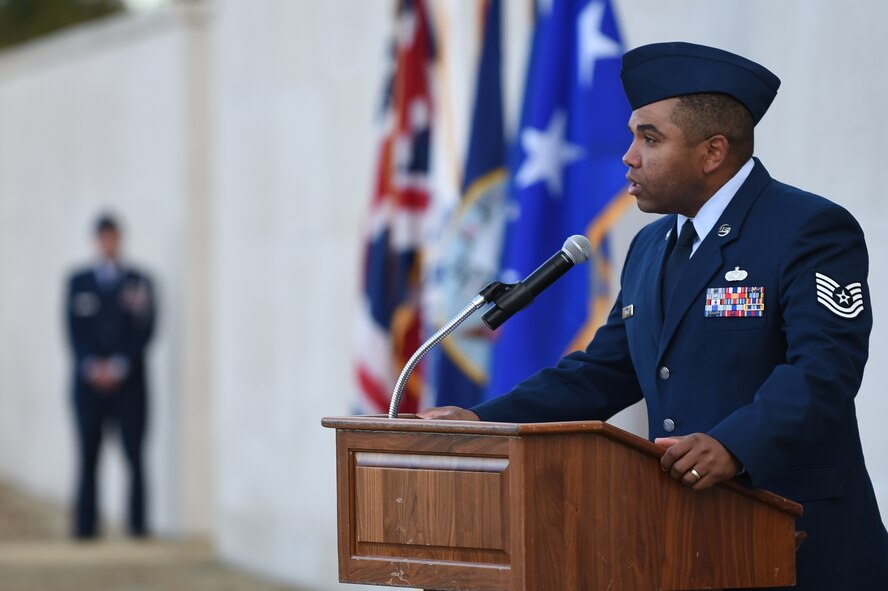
pixel 716 153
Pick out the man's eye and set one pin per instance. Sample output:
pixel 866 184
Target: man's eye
pixel 649 140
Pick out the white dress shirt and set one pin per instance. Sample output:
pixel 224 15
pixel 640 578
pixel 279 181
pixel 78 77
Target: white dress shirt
pixel 708 215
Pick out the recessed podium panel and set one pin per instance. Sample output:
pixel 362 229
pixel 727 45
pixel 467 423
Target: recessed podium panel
pixel 423 507
pixel 460 514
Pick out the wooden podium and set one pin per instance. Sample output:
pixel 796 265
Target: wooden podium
pixel 579 506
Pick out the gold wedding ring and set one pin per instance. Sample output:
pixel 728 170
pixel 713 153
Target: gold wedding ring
pixel 696 474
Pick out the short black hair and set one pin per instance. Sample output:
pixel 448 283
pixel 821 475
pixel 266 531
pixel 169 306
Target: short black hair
pixel 701 116
pixel 106 222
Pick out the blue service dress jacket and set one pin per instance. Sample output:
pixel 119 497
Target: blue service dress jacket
pixel 110 321
pixel 763 347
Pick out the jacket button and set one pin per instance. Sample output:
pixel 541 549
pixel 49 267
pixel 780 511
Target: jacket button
pixel 669 425
pixel 663 372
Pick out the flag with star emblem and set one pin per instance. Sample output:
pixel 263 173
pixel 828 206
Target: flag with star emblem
pixel 474 235
pixel 568 178
pixel 390 325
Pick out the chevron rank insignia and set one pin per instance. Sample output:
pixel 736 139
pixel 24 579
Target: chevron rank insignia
pixel 846 301
pixel 735 302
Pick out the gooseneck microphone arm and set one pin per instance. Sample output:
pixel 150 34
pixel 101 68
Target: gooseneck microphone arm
pixel 489 293
pixel 507 299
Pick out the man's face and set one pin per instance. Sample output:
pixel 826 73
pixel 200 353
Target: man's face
pixel 109 243
pixel 665 173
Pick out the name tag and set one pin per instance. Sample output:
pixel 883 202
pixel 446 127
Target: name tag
pixel 731 302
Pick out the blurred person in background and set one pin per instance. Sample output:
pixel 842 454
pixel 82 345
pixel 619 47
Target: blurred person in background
pixel 110 316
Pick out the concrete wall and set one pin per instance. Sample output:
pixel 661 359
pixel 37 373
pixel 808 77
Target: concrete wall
pixel 238 142
pixel 95 118
pixel 294 100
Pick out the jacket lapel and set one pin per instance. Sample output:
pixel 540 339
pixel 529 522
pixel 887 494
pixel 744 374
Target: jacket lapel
pixel 708 258
pixel 655 272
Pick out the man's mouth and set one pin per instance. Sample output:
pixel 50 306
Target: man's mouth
pixel 634 187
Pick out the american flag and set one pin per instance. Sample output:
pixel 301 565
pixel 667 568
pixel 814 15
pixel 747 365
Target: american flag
pixel 390 326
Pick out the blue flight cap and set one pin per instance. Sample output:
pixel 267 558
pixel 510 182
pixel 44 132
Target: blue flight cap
pixel 660 71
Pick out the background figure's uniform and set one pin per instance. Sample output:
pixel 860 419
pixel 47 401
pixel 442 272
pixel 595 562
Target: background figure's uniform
pixel 110 319
pixel 776 389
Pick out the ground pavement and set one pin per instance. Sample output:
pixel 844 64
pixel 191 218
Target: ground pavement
pixel 36 555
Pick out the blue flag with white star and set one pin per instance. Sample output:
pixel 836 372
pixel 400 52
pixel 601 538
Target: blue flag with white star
pixel 568 178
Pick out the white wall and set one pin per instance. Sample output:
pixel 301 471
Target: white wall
pixel 95 118
pixel 239 145
pixel 295 97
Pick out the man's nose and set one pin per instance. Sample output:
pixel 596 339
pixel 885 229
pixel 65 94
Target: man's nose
pixel 630 158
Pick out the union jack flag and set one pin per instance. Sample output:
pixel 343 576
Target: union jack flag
pixel 390 326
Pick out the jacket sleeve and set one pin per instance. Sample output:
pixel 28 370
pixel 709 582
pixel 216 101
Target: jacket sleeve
pixel 79 332
pixel 804 398
pixel 592 384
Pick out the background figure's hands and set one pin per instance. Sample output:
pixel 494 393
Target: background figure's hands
pixel 700 452
pixel 102 377
pixel 450 413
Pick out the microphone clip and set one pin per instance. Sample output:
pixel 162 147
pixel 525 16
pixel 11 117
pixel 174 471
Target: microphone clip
pixel 507 299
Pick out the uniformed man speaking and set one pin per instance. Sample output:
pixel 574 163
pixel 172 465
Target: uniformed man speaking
pixel 743 318
pixel 110 313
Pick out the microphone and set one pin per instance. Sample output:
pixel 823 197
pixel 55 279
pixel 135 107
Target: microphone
pixel 515 298
pixel 506 300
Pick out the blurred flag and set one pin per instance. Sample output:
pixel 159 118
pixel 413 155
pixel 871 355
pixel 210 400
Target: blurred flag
pixel 473 239
pixel 390 327
pixel 568 178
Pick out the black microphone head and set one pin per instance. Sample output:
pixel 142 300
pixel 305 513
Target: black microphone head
pixel 577 248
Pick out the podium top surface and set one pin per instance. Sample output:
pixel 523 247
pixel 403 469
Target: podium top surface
pixel 408 423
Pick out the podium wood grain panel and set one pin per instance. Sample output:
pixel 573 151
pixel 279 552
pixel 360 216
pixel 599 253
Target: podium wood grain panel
pixel 701 529
pixel 425 508
pixel 453 508
pixel 585 523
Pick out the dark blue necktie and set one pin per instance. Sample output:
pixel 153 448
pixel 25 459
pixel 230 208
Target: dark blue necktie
pixel 676 262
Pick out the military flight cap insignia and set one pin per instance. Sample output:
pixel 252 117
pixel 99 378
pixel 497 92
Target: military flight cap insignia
pixel 628 311
pixel 737 274
pixel 846 301
pixel 724 230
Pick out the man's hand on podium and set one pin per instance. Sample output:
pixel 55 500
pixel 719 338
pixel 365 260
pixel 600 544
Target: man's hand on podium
pixel 448 413
pixel 697 460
